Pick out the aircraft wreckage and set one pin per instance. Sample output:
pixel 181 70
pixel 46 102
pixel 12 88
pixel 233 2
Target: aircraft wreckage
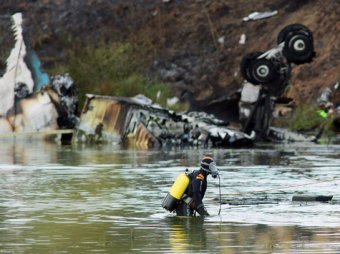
pixel 33 103
pixel 138 122
pixel 266 74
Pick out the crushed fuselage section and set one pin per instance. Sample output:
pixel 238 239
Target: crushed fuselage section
pixel 126 120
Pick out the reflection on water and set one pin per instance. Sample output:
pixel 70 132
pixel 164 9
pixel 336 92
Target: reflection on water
pixel 80 199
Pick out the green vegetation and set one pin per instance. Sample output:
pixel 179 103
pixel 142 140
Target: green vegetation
pixel 114 69
pixel 306 117
pixel 309 117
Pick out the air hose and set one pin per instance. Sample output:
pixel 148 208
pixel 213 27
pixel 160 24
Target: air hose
pixel 219 187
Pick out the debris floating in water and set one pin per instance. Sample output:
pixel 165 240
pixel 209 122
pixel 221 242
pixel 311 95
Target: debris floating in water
pixel 319 198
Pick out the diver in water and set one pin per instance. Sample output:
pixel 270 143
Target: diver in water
pixel 187 192
pixel 192 200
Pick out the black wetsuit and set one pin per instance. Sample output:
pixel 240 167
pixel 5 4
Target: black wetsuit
pixel 195 192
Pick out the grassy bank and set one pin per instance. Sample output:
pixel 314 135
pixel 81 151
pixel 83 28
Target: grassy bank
pixel 114 69
pixel 309 119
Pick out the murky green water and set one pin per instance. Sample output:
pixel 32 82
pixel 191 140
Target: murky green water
pixel 105 199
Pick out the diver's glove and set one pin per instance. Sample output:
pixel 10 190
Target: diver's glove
pixel 206 212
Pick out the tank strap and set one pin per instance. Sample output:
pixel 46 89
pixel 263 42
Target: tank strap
pixel 187 199
pixel 189 174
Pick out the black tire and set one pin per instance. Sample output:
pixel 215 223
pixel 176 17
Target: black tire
pixel 245 65
pixel 298 49
pixel 293 29
pixel 262 71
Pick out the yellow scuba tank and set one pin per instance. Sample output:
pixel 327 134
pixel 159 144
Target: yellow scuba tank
pixel 176 192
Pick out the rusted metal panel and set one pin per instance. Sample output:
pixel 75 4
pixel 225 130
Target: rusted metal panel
pixel 116 117
pixel 144 138
pixel 102 111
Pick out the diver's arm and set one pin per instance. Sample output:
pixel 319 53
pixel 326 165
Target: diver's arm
pixel 197 196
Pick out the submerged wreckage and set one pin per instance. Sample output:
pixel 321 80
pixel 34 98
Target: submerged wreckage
pixel 33 103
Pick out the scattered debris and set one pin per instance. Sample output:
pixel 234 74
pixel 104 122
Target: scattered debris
pixel 172 101
pixel 67 101
pixel 330 105
pixel 284 135
pixel 260 15
pixel 221 40
pixel 242 39
pixel 142 99
pixel 327 94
